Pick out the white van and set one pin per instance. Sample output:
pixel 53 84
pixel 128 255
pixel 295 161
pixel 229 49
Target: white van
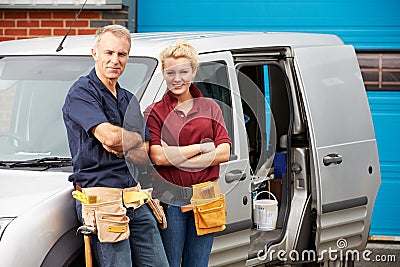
pixel 295 108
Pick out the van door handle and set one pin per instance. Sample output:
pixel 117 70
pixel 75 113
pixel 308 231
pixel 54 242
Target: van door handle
pixel 332 159
pixel 235 175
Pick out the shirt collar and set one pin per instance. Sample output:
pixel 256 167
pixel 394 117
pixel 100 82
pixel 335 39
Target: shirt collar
pixel 100 85
pixel 194 91
pixel 93 76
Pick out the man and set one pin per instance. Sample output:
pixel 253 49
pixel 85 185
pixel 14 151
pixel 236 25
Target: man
pixel 94 114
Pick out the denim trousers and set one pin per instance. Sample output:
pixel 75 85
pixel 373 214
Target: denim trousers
pixel 181 242
pixel 143 248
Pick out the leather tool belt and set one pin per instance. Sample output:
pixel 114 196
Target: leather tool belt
pixel 104 209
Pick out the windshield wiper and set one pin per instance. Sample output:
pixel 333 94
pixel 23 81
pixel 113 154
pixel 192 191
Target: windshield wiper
pixel 47 162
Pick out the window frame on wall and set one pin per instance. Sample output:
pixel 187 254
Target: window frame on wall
pixel 380 69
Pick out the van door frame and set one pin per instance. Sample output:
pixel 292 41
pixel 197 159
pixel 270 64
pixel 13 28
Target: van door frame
pixel 287 240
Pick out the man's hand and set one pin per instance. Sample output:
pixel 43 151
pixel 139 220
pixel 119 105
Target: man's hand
pixel 138 155
pixel 117 140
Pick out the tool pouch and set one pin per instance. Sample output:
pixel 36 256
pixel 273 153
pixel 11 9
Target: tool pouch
pixel 107 215
pixel 210 217
pixel 135 197
pixel 208 205
pixel 158 212
pixel 112 227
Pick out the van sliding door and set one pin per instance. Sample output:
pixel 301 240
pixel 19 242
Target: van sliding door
pixel 344 161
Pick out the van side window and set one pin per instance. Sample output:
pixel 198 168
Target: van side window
pixel 212 80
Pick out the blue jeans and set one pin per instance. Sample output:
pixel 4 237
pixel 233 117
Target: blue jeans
pixel 181 241
pixel 143 248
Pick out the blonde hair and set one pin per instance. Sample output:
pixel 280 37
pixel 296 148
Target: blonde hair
pixel 180 49
pixel 115 29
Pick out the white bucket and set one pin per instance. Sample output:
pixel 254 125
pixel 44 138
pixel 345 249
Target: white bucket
pixel 265 212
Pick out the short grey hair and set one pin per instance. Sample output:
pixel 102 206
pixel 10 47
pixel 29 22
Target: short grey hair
pixel 115 29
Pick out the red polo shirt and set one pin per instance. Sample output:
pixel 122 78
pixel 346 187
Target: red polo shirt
pixel 204 121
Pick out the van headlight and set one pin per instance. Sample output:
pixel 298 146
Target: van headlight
pixel 4 222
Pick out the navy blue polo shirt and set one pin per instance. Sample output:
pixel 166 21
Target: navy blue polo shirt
pixel 87 104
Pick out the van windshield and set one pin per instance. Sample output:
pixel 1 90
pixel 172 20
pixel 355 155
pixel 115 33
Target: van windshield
pixel 32 93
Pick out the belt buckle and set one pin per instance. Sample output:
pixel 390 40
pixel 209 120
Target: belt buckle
pixel 186 192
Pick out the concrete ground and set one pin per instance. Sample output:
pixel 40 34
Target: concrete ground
pixel 382 254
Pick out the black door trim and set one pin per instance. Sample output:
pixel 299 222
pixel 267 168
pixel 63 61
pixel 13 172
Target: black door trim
pixel 345 204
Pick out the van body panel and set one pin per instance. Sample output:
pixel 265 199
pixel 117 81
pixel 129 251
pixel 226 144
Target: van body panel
pixel 27 196
pixel 345 164
pixel 46 216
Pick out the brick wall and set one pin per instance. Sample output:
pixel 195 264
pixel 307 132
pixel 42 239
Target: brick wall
pixel 6 105
pixel 22 24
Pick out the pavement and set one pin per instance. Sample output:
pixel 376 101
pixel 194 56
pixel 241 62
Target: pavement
pixel 380 253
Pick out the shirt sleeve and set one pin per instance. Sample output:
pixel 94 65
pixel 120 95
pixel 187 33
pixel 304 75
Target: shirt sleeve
pixel 147 136
pixel 153 124
pixel 85 108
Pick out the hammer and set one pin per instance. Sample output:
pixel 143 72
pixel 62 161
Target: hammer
pixel 86 231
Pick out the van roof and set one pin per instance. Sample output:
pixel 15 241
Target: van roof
pixel 150 44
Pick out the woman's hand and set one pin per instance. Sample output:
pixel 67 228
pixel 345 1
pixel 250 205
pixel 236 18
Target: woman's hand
pixel 206 147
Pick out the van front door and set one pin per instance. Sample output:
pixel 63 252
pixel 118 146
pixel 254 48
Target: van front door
pixel 345 170
pixel 216 78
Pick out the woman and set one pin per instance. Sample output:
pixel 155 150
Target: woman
pixel 188 142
